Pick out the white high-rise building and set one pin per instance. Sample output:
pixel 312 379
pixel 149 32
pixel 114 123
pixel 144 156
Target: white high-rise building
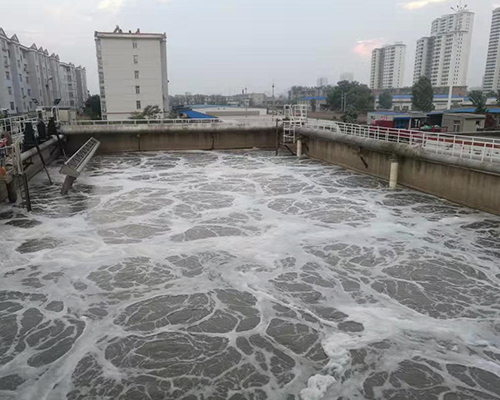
pixel 388 67
pixel 321 82
pixel 132 72
pixel 491 80
pixel 444 56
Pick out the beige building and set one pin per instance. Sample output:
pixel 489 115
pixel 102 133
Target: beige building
pixel 458 122
pixel 132 72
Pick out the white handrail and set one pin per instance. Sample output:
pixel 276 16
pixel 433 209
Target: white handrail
pixel 183 121
pixel 471 147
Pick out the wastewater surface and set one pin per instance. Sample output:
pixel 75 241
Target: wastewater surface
pixel 241 275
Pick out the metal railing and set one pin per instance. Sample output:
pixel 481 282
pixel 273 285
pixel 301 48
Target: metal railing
pixel 469 147
pixel 149 122
pixel 16 125
pixel 10 155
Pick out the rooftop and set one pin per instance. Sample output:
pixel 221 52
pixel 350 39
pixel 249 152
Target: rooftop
pixel 118 33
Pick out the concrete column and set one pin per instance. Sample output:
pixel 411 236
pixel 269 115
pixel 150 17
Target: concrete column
pixel 68 183
pixel 299 148
pixel 393 178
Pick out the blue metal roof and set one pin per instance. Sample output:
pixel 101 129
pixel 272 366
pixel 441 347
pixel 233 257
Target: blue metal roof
pixel 465 111
pixel 197 115
pixel 436 96
pixel 313 98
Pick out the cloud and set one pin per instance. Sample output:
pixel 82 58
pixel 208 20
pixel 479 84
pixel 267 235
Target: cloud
pixel 364 48
pixel 415 5
pixel 111 5
pixel 115 6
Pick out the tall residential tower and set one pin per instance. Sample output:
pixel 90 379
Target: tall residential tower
pixel 443 57
pixel 132 72
pixel 388 67
pixel 491 80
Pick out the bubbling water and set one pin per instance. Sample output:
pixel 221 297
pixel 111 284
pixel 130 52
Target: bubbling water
pixel 240 275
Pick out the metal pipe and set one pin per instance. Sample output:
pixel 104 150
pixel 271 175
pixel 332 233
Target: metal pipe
pixel 299 148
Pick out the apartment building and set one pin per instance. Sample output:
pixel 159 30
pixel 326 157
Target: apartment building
pixel 491 81
pixel 388 67
pixel 31 77
pixel 444 56
pixel 132 72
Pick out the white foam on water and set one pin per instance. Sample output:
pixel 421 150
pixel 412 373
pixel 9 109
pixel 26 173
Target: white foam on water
pixel 341 271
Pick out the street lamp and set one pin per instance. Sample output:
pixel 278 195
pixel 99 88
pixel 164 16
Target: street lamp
pixel 47 86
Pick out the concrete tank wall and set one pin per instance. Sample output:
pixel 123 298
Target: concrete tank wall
pixel 136 138
pixel 466 186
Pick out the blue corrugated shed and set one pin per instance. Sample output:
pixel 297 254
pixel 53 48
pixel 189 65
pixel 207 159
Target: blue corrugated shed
pixel 198 115
pixel 466 111
pixel 436 96
pixel 319 98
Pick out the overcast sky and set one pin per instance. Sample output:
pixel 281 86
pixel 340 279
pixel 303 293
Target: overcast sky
pixel 221 46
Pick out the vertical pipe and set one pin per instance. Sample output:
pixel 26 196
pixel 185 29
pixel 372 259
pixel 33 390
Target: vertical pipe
pixel 393 178
pixel 299 148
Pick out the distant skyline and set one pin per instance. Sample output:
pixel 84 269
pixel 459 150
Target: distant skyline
pixel 222 46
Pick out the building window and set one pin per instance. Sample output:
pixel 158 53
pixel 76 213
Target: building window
pixel 10 90
pixel 71 103
pixel 134 44
pixel 136 74
pixel 29 92
pixel 27 79
pixel 18 64
pixel 20 78
pixel 12 107
pixel 456 125
pixel 137 90
pixel 138 104
pixel 31 105
pixel 22 91
pixel 136 59
pixel 7 75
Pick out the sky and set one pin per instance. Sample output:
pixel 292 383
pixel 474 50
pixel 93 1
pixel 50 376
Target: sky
pixel 222 46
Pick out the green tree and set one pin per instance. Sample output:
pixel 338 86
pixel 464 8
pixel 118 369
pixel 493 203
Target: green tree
pixel 149 112
pixel 350 116
pixel 92 108
pixel 496 95
pixel 423 95
pixel 356 95
pixel 478 99
pixel 385 100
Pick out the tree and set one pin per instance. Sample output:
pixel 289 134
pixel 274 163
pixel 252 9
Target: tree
pixel 149 112
pixel 356 95
pixel 423 95
pixel 385 100
pixel 497 95
pixel 478 99
pixel 350 116
pixel 92 108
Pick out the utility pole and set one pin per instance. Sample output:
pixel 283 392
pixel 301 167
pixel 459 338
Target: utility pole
pixel 274 101
pixel 246 102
